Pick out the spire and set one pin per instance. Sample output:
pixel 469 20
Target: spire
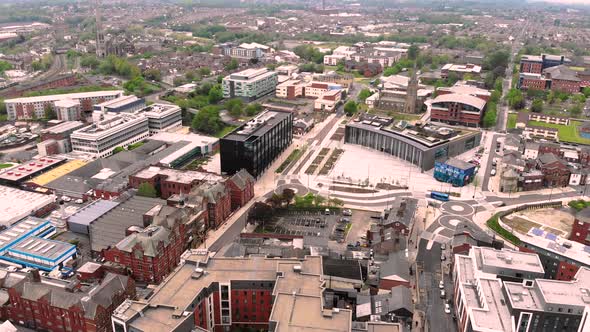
pixel 411 93
pixel 100 43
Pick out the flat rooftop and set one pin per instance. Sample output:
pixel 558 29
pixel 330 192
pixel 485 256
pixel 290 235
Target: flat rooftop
pixel 258 126
pixel 39 248
pixel 64 127
pixel 109 124
pixel 16 232
pixel 298 295
pixel 80 95
pixel 507 260
pixel 29 168
pixel 156 110
pixel 16 204
pixel 250 75
pixel 58 172
pixel 550 242
pixel 118 102
pixel 174 175
pixel 492 313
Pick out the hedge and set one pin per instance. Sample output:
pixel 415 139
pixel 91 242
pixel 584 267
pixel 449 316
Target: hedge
pixel 494 224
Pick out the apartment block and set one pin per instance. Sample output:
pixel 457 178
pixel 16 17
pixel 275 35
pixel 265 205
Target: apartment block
pixel 29 107
pixel 162 117
pixel 250 84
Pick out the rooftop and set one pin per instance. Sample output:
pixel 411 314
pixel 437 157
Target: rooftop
pixel 466 89
pixel 258 126
pixel 58 172
pixel 16 204
pixel 297 305
pixel 468 68
pixel 157 110
pixel 458 163
pixel 460 98
pixel 111 124
pixel 67 103
pixel 38 249
pixel 252 74
pixel 557 245
pixel 179 176
pixel 64 127
pixel 18 231
pixel 89 213
pixel 29 168
pixel 80 95
pixel 491 260
pixel 117 102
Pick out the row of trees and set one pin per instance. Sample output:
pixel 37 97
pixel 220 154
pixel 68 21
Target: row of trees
pixel 236 108
pixel 287 198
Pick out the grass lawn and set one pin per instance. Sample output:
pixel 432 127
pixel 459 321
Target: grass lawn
pixel 566 133
pixel 6 165
pixel 511 124
pixel 224 131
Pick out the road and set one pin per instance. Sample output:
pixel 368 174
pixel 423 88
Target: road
pixel 430 274
pixel 491 150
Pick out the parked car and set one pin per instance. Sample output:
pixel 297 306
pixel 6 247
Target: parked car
pixel 346 220
pixel 66 199
pixel 443 246
pixel 327 212
pixel 442 257
pixel 441 285
pixel 443 294
pixel 447 308
pixel 493 172
pixel 350 246
pixel 347 212
pixel 494 163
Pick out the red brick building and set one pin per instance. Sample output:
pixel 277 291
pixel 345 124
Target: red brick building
pixel 64 305
pixel 555 172
pixel 581 227
pixel 215 199
pixel 169 181
pixel 151 254
pixel 458 109
pixel 241 188
pixel 562 79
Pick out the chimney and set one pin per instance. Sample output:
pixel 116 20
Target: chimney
pixel 35 275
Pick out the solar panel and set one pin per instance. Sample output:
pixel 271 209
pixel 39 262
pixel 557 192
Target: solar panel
pixel 587 249
pixel 537 232
pixel 551 236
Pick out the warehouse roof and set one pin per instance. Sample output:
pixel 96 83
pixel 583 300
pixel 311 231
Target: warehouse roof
pixel 58 172
pixel 88 214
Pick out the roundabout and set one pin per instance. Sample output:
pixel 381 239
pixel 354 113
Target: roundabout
pixel 457 208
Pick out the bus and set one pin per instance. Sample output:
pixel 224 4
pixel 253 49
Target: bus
pixel 439 196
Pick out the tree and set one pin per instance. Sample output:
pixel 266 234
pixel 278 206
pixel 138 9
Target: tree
pixel 350 108
pixel 288 195
pixel 586 92
pixel 234 107
pixel 4 66
pixel 146 189
pixel 309 53
pixel 118 149
pixel 261 212
pixel 232 65
pixel 50 112
pixel 207 120
pixel 497 59
pixel 275 200
pixel 215 94
pixel 413 52
pixel 253 109
pixel 153 74
pixel 364 94
pixel 319 200
pixel 340 66
pixel 489 118
pixel 515 99
pixel 205 71
pixel 2 106
pixel 575 110
pixel 179 80
pixel 537 106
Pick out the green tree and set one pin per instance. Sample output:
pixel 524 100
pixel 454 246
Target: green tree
pixel 253 109
pixel 413 52
pixel 2 106
pixel 516 99
pixel 232 65
pixel 118 149
pixel 364 94
pixel 4 66
pixel 205 71
pixel 234 107
pixel 190 75
pixel 153 74
pixel 260 212
pixel 537 106
pixel 215 94
pixel 350 108
pixel 575 110
pixel 207 120
pixel 586 92
pixel 50 112
pixel 489 118
pixel 178 81
pixel 288 195
pixel 146 189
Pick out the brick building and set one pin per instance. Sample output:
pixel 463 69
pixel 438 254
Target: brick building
pixel 215 200
pixel 581 227
pixel 228 294
pixel 168 181
pixel 58 305
pixel 150 254
pixel 555 172
pixel 241 188
pixel 458 109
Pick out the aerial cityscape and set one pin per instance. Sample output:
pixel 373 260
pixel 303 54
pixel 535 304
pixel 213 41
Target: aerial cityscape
pixel 294 166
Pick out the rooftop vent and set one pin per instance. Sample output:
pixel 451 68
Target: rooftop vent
pixel 297 268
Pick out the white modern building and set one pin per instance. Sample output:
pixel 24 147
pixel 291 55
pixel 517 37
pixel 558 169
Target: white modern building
pixel 162 117
pixel 24 108
pixel 101 138
pixel 127 104
pixel 67 109
pixel 250 84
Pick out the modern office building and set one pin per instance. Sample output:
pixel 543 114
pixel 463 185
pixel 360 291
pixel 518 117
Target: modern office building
pixel 256 144
pixel 242 51
pixel 100 139
pixel 162 117
pixel 224 294
pixel 458 109
pixel 24 108
pixel 250 84
pixel 503 290
pixel 420 145
pixel 127 104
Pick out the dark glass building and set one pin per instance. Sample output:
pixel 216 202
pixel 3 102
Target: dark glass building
pixel 256 144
